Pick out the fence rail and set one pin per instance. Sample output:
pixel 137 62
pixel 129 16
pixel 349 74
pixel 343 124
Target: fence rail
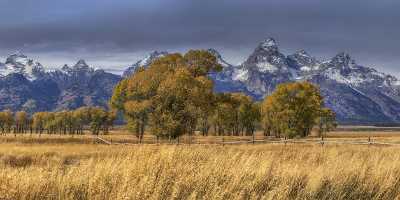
pixel 258 141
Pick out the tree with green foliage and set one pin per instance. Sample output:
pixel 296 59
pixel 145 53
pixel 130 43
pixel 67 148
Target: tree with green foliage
pixel 224 118
pixel 62 122
pixel 81 116
pixel 178 104
pixel 235 114
pixel 98 117
pixel 326 121
pixel 249 115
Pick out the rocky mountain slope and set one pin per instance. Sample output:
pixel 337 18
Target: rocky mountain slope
pixel 21 64
pixel 358 94
pixel 25 85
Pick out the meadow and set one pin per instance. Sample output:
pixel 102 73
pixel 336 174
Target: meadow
pixel 65 167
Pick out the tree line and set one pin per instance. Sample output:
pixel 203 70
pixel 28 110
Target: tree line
pixel 73 122
pixel 175 96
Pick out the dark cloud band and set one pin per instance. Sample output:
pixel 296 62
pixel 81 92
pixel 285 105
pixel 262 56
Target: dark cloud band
pixel 367 29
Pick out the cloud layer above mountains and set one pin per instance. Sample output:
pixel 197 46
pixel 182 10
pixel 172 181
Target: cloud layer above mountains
pixel 116 33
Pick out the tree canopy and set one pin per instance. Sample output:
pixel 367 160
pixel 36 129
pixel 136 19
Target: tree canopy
pixel 169 95
pixel 293 109
pixel 174 96
pixel 62 122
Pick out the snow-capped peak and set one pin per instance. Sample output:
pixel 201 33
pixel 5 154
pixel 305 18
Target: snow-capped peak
pixel 81 64
pixel 151 57
pixel 144 62
pixel 65 68
pixel 269 42
pixel 303 61
pixel 302 53
pixel 343 59
pixel 267 59
pixel 269 45
pixel 18 59
pixel 20 63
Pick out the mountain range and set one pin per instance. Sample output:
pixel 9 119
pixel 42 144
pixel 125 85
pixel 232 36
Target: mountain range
pixel 25 85
pixel 358 94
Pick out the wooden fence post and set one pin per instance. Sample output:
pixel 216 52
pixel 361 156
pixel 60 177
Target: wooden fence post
pixel 322 141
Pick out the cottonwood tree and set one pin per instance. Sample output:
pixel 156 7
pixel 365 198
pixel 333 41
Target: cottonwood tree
pixel 170 96
pixel 249 115
pixel 179 103
pixel 63 122
pixel 224 118
pixel 6 121
pixel 98 118
pixel 235 114
pixel 326 121
pixel 21 122
pixel 293 109
pixel 39 121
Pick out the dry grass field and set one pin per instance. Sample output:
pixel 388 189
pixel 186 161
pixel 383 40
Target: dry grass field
pixel 65 167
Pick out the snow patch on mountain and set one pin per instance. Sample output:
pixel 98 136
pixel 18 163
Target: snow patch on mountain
pixel 269 44
pixel 335 74
pixel 267 67
pixel 20 64
pixel 144 62
pixel 240 74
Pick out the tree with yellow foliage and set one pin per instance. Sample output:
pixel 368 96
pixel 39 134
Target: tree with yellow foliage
pixel 170 96
pixel 6 121
pixel 21 122
pixel 293 109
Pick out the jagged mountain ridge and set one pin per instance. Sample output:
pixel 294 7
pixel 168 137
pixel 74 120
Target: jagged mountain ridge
pixel 19 63
pixel 67 88
pixel 356 93
pixel 144 62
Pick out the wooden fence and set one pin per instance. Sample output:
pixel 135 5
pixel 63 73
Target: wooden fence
pixel 237 141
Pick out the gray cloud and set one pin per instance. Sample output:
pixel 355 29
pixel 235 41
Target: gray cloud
pixel 104 31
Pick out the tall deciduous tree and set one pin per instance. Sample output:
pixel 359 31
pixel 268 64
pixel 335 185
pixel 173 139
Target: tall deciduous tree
pixel 6 121
pixel 293 109
pixel 326 121
pixel 171 95
pixel 21 122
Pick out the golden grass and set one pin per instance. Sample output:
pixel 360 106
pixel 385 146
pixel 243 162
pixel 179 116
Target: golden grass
pixel 294 171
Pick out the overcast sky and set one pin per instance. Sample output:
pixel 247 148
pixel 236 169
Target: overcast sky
pixel 115 33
